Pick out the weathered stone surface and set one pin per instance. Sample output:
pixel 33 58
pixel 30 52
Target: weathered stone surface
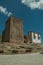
pixel 13 31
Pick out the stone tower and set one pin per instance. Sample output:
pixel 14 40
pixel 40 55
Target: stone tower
pixel 13 31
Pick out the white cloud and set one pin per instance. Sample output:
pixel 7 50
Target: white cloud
pixel 4 11
pixel 33 3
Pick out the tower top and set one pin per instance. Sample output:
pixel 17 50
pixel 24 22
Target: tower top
pixel 13 18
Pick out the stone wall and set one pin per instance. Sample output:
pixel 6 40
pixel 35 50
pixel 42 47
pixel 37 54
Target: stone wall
pixel 34 37
pixel 16 30
pixel 6 32
pixel 13 30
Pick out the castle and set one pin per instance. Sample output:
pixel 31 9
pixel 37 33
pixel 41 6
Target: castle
pixel 13 33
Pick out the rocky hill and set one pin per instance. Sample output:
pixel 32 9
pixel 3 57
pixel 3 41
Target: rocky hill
pixel 14 48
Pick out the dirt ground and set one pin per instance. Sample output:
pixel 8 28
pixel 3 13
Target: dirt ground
pixel 22 59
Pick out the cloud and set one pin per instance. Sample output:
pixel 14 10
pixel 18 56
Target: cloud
pixel 33 4
pixel 4 11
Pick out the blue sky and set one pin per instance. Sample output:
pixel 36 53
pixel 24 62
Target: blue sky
pixel 31 11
